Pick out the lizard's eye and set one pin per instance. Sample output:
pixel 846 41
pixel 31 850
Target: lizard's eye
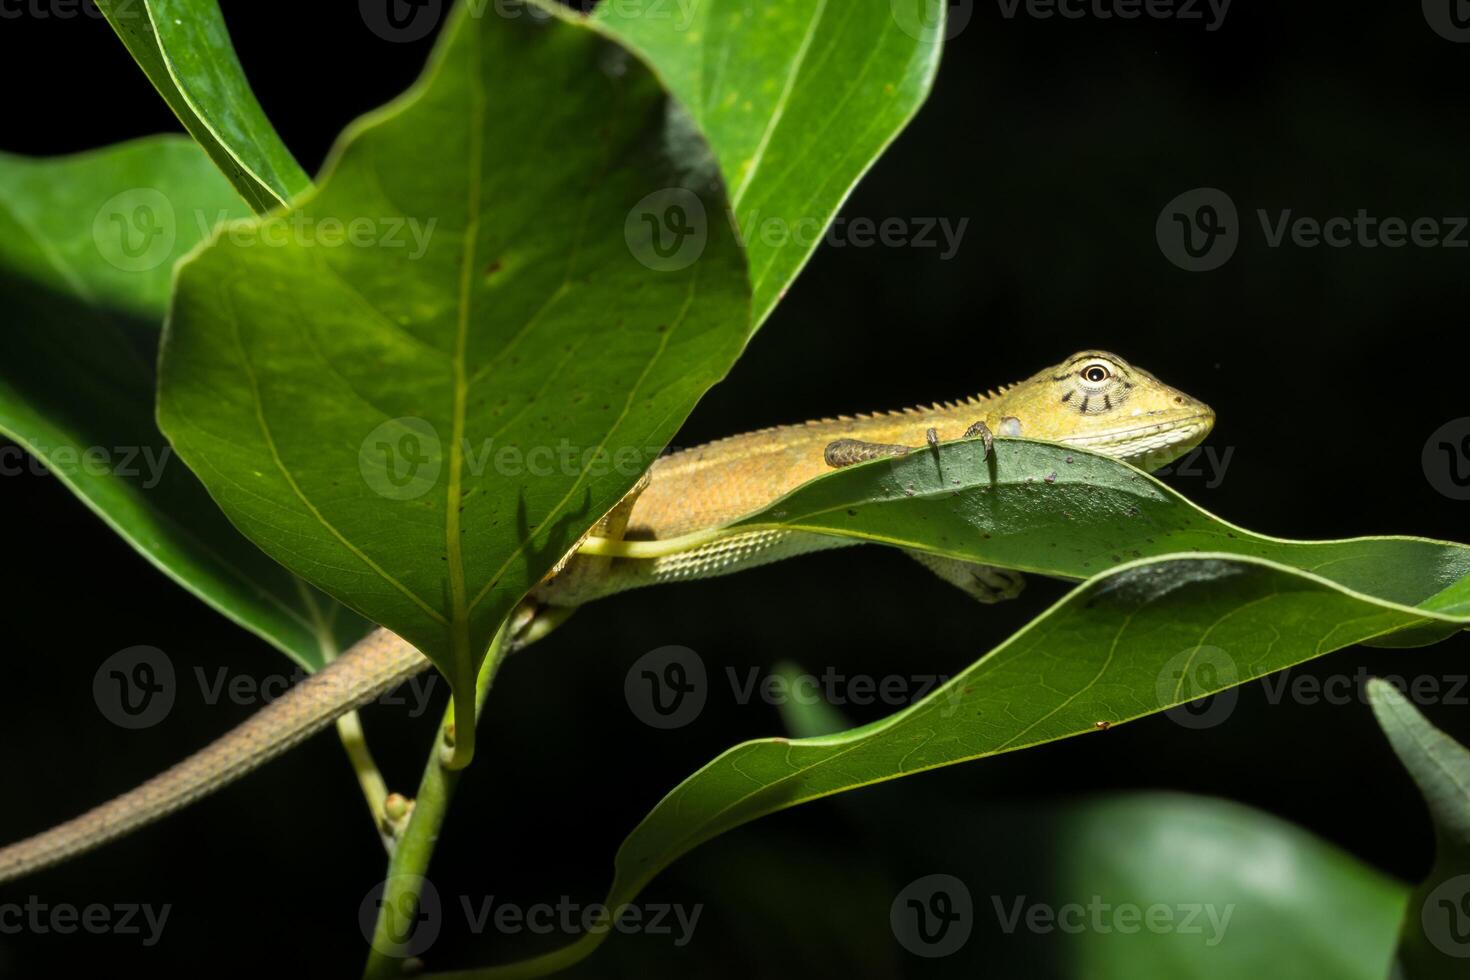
pixel 1096 373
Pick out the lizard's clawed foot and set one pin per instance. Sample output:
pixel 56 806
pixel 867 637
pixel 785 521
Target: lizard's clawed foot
pixel 991 584
pixel 981 430
pixel 846 452
pixel 984 583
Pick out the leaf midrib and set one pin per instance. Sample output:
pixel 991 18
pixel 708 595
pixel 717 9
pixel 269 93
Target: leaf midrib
pixel 453 545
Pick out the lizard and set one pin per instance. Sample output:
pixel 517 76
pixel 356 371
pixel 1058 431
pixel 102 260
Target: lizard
pixel 1094 400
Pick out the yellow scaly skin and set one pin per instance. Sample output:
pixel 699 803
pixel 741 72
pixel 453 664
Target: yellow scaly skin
pixel 1093 400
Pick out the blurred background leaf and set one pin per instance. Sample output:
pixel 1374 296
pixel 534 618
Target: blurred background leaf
pixel 86 259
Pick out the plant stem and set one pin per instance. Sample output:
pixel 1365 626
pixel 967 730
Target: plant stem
pixel 374 788
pixel 405 881
pixel 349 726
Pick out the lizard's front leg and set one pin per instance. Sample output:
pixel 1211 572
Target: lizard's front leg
pixel 985 583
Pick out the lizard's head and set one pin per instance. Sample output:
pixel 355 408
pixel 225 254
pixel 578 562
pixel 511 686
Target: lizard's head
pixel 1098 401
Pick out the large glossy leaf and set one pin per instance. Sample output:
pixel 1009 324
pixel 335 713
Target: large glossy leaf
pixel 422 420
pixel 1139 639
pixel 87 245
pixel 797 98
pixel 1435 941
pixel 184 48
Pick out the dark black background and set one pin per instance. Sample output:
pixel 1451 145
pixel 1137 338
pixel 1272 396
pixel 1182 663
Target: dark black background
pixel 1060 141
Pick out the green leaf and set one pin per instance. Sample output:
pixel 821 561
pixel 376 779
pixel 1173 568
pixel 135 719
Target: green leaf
pixel 1155 885
pixel 1137 640
pixel 1435 940
pixel 184 48
pixel 1068 513
pixel 1241 893
pixel 87 245
pixel 424 419
pixel 797 98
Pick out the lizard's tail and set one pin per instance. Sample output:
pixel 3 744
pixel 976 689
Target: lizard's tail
pixel 369 669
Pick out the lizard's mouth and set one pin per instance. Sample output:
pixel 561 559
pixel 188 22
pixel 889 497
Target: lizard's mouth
pixel 1153 444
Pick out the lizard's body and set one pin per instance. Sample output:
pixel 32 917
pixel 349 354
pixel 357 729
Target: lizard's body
pixel 1128 414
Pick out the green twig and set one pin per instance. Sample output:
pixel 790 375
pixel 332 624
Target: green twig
pixel 404 882
pixel 374 788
